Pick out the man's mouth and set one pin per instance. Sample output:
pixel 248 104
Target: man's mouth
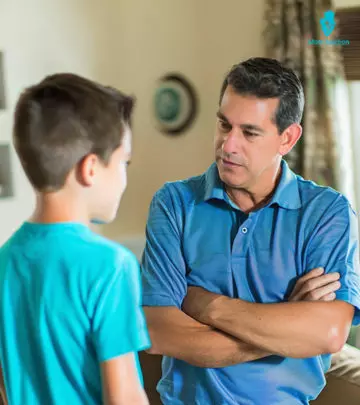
pixel 229 163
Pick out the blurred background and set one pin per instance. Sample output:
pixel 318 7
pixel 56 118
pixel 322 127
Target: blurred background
pixel 131 44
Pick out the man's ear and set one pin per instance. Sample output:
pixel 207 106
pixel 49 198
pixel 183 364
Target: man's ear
pixel 289 138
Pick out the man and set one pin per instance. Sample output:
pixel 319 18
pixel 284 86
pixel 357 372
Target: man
pixel 225 250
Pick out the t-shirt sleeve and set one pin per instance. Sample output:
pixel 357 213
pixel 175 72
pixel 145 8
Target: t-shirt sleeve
pixel 335 246
pixel 118 323
pixel 163 265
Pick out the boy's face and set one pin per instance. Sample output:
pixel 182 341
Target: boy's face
pixel 112 181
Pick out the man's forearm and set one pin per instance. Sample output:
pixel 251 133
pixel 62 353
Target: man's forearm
pixel 175 334
pixel 292 329
pixel 206 348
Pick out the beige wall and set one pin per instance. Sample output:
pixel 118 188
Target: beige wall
pixel 346 3
pixel 200 39
pixel 40 37
pixel 129 44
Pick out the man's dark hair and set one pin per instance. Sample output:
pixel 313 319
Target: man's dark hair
pixel 61 120
pixel 268 78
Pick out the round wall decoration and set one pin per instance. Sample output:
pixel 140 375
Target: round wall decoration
pixel 175 104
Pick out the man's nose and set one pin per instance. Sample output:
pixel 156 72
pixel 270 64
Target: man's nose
pixel 231 143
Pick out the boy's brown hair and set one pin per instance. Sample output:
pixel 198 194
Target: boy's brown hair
pixel 61 120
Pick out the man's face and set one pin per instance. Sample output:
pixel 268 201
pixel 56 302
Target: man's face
pixel 247 141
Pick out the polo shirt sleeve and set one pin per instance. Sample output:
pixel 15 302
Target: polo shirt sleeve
pixel 334 245
pixel 118 322
pixel 163 266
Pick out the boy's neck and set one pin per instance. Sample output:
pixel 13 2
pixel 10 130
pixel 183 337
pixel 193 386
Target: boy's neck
pixel 54 208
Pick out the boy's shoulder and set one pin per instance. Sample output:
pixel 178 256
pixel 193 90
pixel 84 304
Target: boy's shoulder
pixel 106 267
pixel 78 247
pixel 107 250
pixel 99 256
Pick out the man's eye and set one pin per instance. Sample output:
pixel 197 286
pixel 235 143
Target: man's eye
pixel 224 126
pixel 248 133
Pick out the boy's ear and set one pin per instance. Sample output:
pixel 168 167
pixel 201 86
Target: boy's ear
pixel 87 170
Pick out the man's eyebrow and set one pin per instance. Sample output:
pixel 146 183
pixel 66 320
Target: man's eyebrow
pixel 222 117
pixel 251 127
pixel 248 127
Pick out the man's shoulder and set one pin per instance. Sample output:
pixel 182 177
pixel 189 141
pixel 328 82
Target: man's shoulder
pixel 191 188
pixel 323 197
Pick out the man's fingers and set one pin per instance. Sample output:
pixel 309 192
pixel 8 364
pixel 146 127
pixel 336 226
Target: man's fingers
pixel 315 285
pixel 319 293
pixel 329 297
pixel 321 281
pixel 318 282
pixel 317 272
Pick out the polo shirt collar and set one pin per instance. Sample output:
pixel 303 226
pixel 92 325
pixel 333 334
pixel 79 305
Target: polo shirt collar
pixel 286 194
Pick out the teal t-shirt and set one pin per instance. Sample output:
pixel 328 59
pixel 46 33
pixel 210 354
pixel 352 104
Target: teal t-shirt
pixel 69 299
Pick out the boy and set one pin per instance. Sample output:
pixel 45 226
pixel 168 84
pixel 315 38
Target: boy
pixel 71 320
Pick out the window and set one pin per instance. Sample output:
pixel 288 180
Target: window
pixel 349 29
pixel 347 101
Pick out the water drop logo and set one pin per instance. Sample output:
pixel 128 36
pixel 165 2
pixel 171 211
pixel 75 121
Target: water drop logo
pixel 328 22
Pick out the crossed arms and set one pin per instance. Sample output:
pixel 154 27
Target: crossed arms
pixel 211 330
pixel 217 331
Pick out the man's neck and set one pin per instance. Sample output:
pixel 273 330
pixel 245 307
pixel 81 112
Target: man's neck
pixel 254 199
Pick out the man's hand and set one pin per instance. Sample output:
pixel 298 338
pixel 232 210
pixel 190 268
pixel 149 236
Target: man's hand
pixel 199 302
pixel 316 286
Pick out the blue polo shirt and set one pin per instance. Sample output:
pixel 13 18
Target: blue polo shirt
pixel 197 236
